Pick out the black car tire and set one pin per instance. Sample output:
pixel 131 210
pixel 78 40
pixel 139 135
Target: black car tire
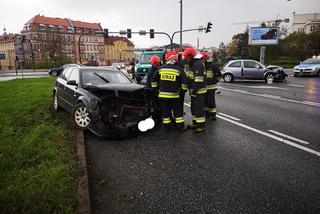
pixel 80 116
pixel 228 78
pixel 56 106
pixel 269 76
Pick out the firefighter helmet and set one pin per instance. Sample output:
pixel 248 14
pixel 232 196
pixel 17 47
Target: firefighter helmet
pixel 189 53
pixel 171 55
pixel 205 55
pixel 155 60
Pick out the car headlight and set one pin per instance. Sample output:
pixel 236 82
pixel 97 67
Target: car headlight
pixel 314 69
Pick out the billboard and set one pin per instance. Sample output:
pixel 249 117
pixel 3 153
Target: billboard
pixel 263 36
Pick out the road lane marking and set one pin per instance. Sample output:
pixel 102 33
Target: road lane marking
pixel 289 137
pixel 229 116
pixel 299 86
pixel 268 135
pixel 257 87
pixel 273 97
pixel 272 136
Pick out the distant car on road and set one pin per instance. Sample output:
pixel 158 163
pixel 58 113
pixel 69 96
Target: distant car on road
pixel 251 70
pixel 57 71
pixel 102 100
pixel 309 67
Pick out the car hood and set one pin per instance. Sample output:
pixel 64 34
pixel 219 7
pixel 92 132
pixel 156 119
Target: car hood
pixel 133 91
pixel 304 66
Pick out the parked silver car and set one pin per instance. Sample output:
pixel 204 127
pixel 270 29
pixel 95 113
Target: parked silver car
pixel 250 69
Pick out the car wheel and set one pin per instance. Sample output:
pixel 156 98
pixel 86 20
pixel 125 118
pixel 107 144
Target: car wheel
pixel 269 76
pixel 228 78
pixel 56 106
pixel 318 73
pixel 81 116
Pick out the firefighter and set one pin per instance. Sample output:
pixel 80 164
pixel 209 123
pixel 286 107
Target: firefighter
pixel 155 62
pixel 197 87
pixel 169 79
pixel 212 78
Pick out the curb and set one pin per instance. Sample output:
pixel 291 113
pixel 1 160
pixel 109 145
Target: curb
pixel 83 194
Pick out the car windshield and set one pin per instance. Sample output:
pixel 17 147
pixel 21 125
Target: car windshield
pixel 311 61
pixel 101 77
pixel 145 57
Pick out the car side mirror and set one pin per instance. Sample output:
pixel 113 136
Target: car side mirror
pixel 72 82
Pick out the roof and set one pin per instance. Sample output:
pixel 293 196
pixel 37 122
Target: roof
pixel 9 37
pixel 63 22
pixel 111 39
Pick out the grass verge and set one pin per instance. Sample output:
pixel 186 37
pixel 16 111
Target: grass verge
pixel 37 157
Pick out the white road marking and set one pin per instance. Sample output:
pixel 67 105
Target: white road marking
pixel 228 116
pixel 258 87
pixel 272 136
pixel 299 86
pixel 274 97
pixel 289 137
pixel 268 135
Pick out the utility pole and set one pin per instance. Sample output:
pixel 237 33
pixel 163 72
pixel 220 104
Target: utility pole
pixel 180 24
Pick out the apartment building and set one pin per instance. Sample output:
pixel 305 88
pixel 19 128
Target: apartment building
pixel 8 47
pixel 63 38
pixel 118 49
pixel 306 23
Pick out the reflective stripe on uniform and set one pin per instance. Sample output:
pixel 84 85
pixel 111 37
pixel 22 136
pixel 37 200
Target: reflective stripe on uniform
pixel 212 87
pixel 213 110
pixel 168 95
pixel 154 84
pixel 198 79
pixel 166 120
pixel 179 120
pixel 202 91
pixel 210 74
pixel 200 119
pixel 191 75
pixel 184 87
pixel 193 117
pixel 168 70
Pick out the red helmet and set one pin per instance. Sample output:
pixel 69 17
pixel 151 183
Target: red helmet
pixel 189 53
pixel 205 55
pixel 171 55
pixel 155 60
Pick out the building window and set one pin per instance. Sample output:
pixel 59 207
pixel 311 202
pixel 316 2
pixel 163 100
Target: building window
pixel 312 28
pixel 42 27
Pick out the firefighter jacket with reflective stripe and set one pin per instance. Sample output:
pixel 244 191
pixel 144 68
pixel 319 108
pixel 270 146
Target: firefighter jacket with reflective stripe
pixel 170 80
pixel 197 77
pixel 212 75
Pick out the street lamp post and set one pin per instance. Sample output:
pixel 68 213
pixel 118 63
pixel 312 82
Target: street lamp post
pixel 180 24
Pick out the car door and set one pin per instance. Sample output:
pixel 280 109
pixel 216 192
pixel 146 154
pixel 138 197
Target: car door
pixel 236 69
pixel 252 70
pixel 61 87
pixel 71 90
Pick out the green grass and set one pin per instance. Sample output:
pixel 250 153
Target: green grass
pixel 37 152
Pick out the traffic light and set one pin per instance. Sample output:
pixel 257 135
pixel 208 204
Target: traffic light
pixel 106 32
pixel 209 26
pixel 129 33
pixel 151 33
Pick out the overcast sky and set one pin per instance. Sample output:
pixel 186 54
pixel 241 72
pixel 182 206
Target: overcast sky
pixel 162 15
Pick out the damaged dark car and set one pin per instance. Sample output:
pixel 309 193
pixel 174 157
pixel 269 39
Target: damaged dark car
pixel 103 100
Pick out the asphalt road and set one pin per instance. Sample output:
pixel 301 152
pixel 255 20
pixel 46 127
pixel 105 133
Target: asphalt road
pixel 261 155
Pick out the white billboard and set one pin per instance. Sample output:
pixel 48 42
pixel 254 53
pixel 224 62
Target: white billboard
pixel 263 36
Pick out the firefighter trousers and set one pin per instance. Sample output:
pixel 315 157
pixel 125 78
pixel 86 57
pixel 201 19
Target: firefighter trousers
pixel 211 101
pixel 169 106
pixel 197 110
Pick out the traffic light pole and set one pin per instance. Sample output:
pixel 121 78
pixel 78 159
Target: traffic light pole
pixel 32 56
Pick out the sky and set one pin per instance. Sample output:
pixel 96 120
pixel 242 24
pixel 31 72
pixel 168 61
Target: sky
pixel 161 15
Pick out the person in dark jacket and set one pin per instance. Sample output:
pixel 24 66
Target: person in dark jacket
pixel 168 80
pixel 212 78
pixel 155 62
pixel 197 87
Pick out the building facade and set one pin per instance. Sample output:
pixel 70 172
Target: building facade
pixel 118 49
pixel 306 23
pixel 8 47
pixel 52 38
